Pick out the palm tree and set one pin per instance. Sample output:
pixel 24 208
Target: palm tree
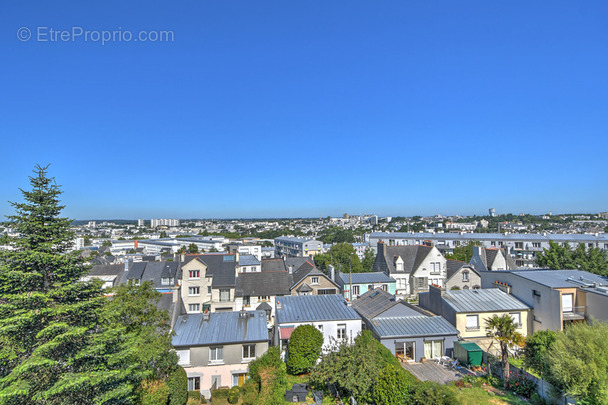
pixel 502 328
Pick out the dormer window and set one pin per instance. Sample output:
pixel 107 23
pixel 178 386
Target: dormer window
pixel 465 276
pixel 314 280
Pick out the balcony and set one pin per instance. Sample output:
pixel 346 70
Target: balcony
pixel 576 314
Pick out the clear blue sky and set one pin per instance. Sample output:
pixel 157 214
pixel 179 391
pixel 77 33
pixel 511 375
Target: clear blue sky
pixel 308 108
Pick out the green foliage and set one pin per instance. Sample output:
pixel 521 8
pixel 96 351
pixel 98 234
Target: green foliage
pixel 154 392
pixel 192 248
pixel 430 392
pixel 537 345
pixel 304 349
pixel 107 243
pixel 558 257
pixel 61 340
pixel 336 234
pixel 521 386
pixel 178 387
pixel 195 397
pixel 536 399
pixel 368 260
pixel 233 395
pixel 163 234
pixel 220 393
pixel 269 373
pixel 270 359
pixel 392 386
pixel 464 253
pixel 578 361
pixel 342 256
pixel 353 369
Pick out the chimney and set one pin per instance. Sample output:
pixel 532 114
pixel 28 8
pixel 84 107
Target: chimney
pixel 206 315
pixel 290 269
pixel 332 272
pixel 279 306
pixel 242 314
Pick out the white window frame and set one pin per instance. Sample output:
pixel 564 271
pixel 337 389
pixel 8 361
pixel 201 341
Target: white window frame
pixel 247 352
pixel 341 331
pixel 216 354
pixel 472 323
pixel 190 272
pixel 314 280
pixel 194 307
pixel 183 357
pixel 194 291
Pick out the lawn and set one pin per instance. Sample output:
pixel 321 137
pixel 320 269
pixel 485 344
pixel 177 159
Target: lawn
pixel 486 395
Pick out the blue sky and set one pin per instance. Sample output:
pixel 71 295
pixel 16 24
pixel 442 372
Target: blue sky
pixel 301 108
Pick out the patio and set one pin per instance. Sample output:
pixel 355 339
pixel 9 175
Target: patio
pixel 432 371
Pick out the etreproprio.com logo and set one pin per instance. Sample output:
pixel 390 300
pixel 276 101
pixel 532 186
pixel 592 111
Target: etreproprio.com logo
pixel 79 34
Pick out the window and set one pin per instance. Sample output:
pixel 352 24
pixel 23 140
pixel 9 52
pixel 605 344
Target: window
pixel 264 298
pixel 224 295
pixel 371 286
pixel 436 268
pixel 519 245
pixel 492 243
pixel 433 349
pixel 516 316
pixel 355 290
pixel 194 384
pixel 216 354
pixel 472 322
pixel 465 276
pixel 421 282
pixel 536 293
pixel 401 283
pixel 384 287
pixel 209 290
pixel 320 327
pixel 194 291
pixel 194 274
pixel 314 280
pixel 341 331
pixel 326 291
pixel 536 244
pixel 194 307
pixel 164 281
pixel 248 352
pixel 246 300
pixel 183 357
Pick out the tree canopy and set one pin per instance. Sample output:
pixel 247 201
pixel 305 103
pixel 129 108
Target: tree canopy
pixel 464 253
pixel 61 340
pixel 503 329
pixel 563 257
pixel 304 349
pixel 344 258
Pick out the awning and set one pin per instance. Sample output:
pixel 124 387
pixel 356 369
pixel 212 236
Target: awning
pixel 285 332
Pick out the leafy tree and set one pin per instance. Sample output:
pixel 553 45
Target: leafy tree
pixel 392 386
pixel 61 342
pixel 178 387
pixel 503 329
pixel 269 373
pixel 463 253
pixel 558 257
pixel 342 256
pixel 267 243
pixel 192 248
pixel 163 234
pixel 304 349
pixel 578 362
pixel 537 345
pixel 87 240
pixel 107 243
pixel 368 260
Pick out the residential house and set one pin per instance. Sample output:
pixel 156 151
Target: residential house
pixel 260 290
pixel 414 268
pixel 461 276
pixel 110 274
pixel 492 259
pixel 164 275
pixel 248 264
pixel 209 282
pixel 353 285
pixel 329 313
pixel 407 331
pixel 468 310
pixel 558 297
pixel 215 348
pixel 308 280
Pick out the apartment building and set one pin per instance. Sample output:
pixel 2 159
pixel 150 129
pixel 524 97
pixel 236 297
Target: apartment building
pixel 298 247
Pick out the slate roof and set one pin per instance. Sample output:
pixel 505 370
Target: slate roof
pixel 248 260
pixel 313 308
pixel 221 266
pixel 107 270
pixel 453 266
pixel 412 256
pixel 273 265
pixel 374 302
pixel 407 326
pixel 264 283
pixel 220 328
pixel 483 300
pixel 536 237
pixel 559 278
pixel 304 288
pixel 305 270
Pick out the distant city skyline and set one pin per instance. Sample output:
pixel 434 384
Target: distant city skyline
pixel 294 109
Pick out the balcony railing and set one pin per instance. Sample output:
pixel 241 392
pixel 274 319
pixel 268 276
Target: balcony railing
pixel 575 313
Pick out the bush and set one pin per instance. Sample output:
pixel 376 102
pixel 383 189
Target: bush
pixel 178 387
pixel 392 386
pixel 430 392
pixel 272 359
pixel 195 398
pixel 234 394
pixel 154 392
pixel 521 386
pixel 221 393
pixel 304 349
pixel 536 399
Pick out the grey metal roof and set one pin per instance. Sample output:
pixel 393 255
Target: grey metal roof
pixel 559 278
pixel 363 278
pixel 220 328
pixel 483 300
pixel 395 327
pixel 311 308
pixel 374 302
pixel 295 239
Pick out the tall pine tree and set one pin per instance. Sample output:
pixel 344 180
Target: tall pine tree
pixel 60 339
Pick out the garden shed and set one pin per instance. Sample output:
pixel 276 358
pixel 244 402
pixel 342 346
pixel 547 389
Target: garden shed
pixel 468 353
